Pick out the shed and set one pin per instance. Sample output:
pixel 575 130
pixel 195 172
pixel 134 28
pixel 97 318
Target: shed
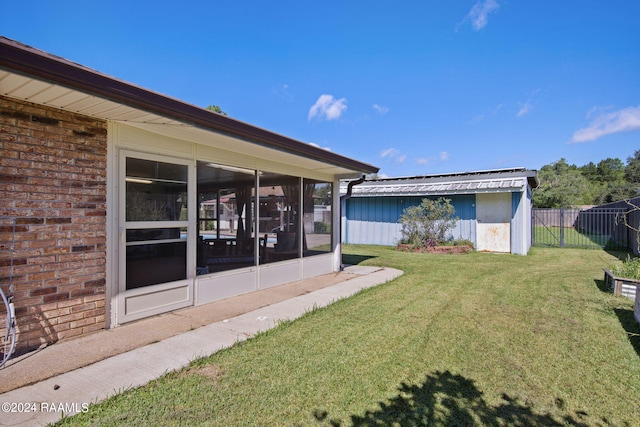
pixel 119 203
pixel 493 207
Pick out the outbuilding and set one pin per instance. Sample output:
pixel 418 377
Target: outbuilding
pixel 119 203
pixel 493 207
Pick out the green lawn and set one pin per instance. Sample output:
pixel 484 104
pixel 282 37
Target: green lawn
pixel 475 339
pixel 550 236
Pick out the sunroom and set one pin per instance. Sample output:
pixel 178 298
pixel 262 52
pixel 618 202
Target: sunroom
pixel 218 224
pixel 185 206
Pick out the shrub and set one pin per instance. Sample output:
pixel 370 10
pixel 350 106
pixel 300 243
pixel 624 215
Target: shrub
pixel 427 224
pixel 462 242
pixel 321 228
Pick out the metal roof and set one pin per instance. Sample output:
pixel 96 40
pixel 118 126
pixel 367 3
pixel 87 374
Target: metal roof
pixel 494 181
pixel 39 77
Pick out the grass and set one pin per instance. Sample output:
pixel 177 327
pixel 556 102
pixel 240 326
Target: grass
pixel 550 236
pixel 629 268
pixel 475 339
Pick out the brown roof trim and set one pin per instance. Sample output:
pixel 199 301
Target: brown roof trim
pixel 42 65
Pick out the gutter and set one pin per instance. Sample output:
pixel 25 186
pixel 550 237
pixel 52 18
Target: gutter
pixel 350 188
pixel 343 205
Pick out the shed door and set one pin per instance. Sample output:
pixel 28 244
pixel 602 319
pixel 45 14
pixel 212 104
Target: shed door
pixel 155 261
pixel 493 213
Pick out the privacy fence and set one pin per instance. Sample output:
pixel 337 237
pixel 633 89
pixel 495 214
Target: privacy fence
pixel 611 226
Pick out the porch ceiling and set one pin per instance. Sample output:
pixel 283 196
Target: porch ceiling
pixel 41 92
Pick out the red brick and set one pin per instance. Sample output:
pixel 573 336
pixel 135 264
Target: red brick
pixel 43 291
pixel 56 297
pixel 99 325
pixel 83 322
pixel 72 317
pixel 53 179
pixel 69 333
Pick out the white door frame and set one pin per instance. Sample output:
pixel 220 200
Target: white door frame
pixel 134 304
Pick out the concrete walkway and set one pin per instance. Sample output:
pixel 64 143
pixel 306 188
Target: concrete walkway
pixel 90 369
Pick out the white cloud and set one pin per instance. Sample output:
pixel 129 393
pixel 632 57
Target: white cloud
pixel 389 152
pixel 381 109
pixel 525 109
pixel 426 161
pixel 316 145
pixel 478 118
pixel 479 13
pixel 482 116
pixel 393 154
pixel 283 91
pixel 328 107
pixel 625 120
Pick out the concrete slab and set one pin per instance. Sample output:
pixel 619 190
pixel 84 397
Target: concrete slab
pixel 72 391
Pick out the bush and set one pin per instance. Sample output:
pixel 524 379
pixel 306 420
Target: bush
pixel 321 227
pixel 427 224
pixel 462 242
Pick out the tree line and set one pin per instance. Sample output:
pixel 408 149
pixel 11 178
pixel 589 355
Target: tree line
pixel 564 185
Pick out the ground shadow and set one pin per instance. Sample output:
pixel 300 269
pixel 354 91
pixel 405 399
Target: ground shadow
pixel 602 285
pixel 620 254
pixel 354 259
pixel 29 320
pixel 631 326
pixel 450 399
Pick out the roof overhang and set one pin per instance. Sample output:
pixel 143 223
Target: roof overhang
pixel 494 181
pixel 35 76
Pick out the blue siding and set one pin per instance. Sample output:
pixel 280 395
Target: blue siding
pixel 374 220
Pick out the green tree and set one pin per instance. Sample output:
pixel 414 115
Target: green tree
pixel 607 181
pixel 322 195
pixel 216 109
pixel 590 171
pixel 632 170
pixel 562 186
pixel 428 223
pixel 614 186
pixel 619 191
pixel 611 171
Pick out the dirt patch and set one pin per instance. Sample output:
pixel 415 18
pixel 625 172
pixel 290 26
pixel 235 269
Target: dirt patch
pixel 460 249
pixel 210 372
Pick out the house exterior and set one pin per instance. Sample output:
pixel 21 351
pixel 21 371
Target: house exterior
pixel 493 208
pixel 119 203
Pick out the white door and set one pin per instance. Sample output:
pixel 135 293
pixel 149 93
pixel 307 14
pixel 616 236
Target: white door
pixel 156 235
pixel 493 229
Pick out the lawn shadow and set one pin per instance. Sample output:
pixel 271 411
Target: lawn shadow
pixel 450 399
pixel 631 326
pixel 602 285
pixel 620 254
pixel 354 259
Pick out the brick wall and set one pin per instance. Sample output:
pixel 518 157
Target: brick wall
pixel 52 221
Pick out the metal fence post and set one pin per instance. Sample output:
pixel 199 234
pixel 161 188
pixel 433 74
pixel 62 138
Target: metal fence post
pixel 562 228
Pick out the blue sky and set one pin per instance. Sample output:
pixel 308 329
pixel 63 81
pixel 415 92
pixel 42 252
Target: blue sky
pixel 414 87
